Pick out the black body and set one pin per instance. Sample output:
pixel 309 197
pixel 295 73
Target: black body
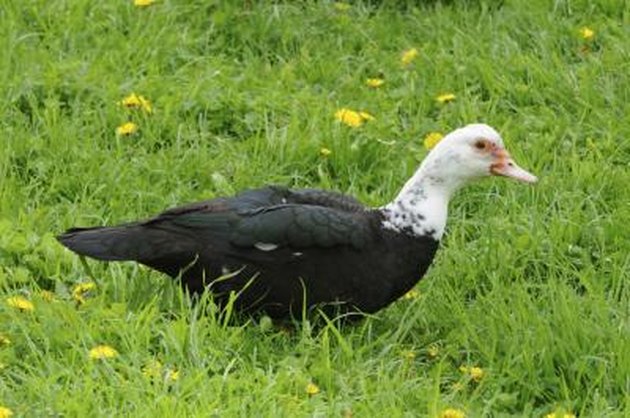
pixel 275 247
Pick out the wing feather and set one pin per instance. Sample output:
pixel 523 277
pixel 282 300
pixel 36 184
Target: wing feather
pixel 275 215
pixel 301 226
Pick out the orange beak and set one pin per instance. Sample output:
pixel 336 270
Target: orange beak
pixel 505 166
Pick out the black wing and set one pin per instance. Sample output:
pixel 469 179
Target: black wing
pixel 273 215
pixel 287 224
pixel 301 226
pixel 271 196
pixel 214 229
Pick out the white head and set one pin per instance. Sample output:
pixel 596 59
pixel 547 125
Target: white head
pixel 469 153
pixel 464 155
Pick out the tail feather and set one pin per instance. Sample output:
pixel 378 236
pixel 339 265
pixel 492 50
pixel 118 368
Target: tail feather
pixel 118 243
pixel 102 243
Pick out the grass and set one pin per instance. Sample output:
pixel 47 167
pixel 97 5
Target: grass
pixel 531 284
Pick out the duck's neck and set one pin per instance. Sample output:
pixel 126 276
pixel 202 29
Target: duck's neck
pixel 421 207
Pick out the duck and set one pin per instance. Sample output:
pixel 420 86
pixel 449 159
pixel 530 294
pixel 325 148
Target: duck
pixel 283 252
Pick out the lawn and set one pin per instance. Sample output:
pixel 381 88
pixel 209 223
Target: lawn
pixel 526 309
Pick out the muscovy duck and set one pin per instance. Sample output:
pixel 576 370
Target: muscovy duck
pixel 284 251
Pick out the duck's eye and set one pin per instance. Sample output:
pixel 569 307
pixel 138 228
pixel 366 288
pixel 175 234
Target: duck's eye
pixel 481 144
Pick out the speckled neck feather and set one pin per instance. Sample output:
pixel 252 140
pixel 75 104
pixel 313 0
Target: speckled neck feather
pixel 421 207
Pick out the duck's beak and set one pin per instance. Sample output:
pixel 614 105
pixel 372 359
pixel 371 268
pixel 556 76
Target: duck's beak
pixel 505 166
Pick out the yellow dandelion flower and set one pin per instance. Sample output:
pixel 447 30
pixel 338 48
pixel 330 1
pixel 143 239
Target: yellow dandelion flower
pixel 312 389
pixel 452 413
pixel 432 139
pixel 352 118
pixel 47 295
pixel 408 56
pixel 127 129
pixel 408 355
pixel 21 303
pixel 131 101
pixel 5 412
pixel 135 101
pixel 374 82
pixel 81 291
pixel 587 33
pixel 171 375
pixel 559 415
pixel 4 340
pixel 445 98
pixel 349 117
pixel 341 6
pixel 152 370
pixel 412 294
pixel 156 370
pixel 101 352
pixel 325 152
pixel 475 373
pixel 433 351
pixel 143 3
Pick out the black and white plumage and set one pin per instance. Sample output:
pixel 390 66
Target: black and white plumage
pixel 283 250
